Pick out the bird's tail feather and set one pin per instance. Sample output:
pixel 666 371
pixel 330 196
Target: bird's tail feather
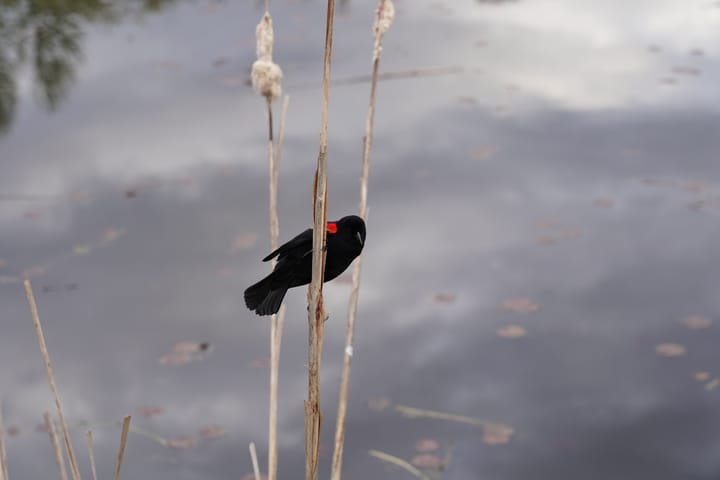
pixel 262 299
pixel 272 302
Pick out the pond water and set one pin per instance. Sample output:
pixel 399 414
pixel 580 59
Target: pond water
pixel 542 247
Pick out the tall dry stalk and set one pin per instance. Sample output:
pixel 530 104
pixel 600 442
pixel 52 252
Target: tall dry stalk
pixel 316 314
pixel 254 459
pixel 121 449
pixel 51 378
pixel 266 77
pixel 384 16
pixel 59 459
pixel 91 453
pixel 3 453
pixel 276 321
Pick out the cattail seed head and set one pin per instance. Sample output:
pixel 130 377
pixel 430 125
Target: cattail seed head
pixel 266 76
pixel 264 36
pixel 384 16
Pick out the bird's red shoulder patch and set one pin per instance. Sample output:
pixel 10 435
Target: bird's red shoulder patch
pixel 332 227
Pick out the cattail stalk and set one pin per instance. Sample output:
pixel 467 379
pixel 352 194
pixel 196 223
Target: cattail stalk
pixel 3 453
pixel 316 314
pixel 59 459
pixel 121 449
pixel 266 76
pixel 51 378
pixel 384 16
pixel 91 453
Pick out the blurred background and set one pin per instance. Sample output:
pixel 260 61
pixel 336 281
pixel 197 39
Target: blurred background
pixel 541 256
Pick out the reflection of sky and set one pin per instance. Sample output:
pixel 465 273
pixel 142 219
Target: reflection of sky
pixel 570 99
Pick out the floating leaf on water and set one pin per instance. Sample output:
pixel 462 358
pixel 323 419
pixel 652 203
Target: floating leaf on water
pixel 670 350
pixel 512 331
pixel 701 376
pixel 12 431
pixel 150 411
pixel 112 234
pixel 212 431
pixel 3 263
pixel 184 181
pixel 547 223
pixel 191 347
pixel 520 305
pixel 697 322
pixel 604 202
pixel 694 187
pixel 33 214
pixel 260 363
pixel 41 428
pixel 225 272
pixel 131 193
pixel 444 298
pixel 183 442
pixel 169 64
pixel 427 460
pixel 546 240
pixel 483 153
pixel 81 249
pixel 243 241
pixel 497 434
pixel 426 445
pixel 79 195
pixel 379 404
pixel 175 358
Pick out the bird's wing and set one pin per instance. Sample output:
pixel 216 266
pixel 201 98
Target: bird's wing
pixel 299 246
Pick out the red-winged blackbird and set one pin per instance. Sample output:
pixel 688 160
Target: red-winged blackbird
pixel 345 241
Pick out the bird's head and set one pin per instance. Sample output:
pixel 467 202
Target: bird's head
pixel 352 228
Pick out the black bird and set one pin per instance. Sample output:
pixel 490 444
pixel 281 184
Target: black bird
pixel 345 241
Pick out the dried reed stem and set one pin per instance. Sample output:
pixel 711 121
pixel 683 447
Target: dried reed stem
pixel 91 453
pixel 59 459
pixel 386 457
pixel 254 459
pixel 363 210
pixel 123 442
pixel 276 321
pixel 316 315
pixel 266 77
pixel 276 327
pixel 3 453
pixel 413 412
pixel 51 378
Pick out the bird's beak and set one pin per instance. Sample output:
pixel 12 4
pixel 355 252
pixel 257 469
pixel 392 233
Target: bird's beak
pixel 359 237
